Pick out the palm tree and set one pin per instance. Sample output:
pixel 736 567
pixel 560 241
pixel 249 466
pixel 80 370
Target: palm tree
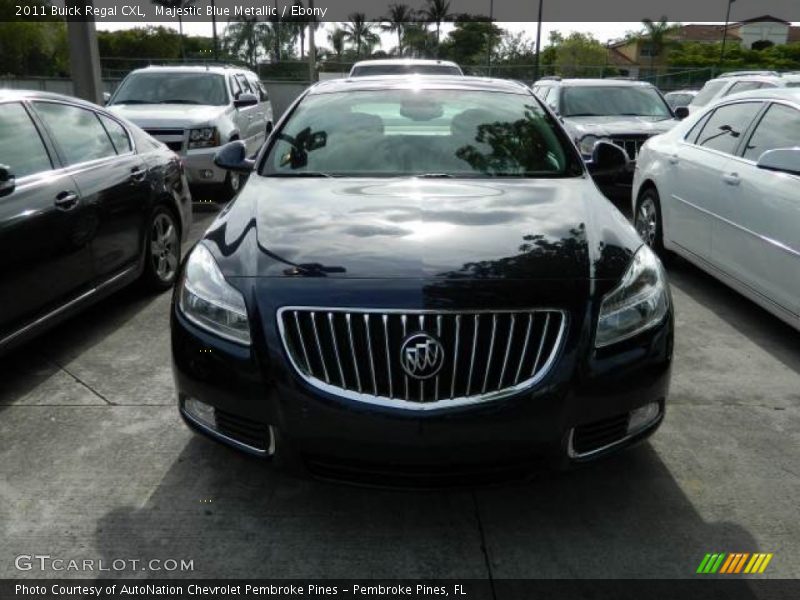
pixel 359 32
pixel 657 36
pixel 399 15
pixel 242 38
pixel 437 11
pixel 337 38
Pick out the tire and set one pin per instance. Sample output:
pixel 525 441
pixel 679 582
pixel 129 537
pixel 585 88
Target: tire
pixel 648 223
pixel 162 250
pixel 233 183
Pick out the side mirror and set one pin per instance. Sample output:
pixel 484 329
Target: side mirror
pixel 106 98
pixel 233 157
pixel 785 160
pixel 608 160
pixel 244 99
pixel 682 112
pixel 7 180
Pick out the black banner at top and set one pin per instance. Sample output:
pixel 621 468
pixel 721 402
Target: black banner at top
pixel 146 11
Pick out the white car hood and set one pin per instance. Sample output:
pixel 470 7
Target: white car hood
pixel 168 115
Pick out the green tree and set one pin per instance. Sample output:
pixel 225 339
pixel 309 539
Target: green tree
pixel 656 34
pixel 337 38
pixel 396 21
pixel 470 39
pixel 437 11
pixel 580 55
pixel 360 32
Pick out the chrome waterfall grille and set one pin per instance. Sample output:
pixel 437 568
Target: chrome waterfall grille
pixel 421 359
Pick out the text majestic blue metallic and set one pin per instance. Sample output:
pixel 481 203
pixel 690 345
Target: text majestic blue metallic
pixel 421 281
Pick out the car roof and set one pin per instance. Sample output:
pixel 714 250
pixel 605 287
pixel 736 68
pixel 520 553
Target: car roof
pixel 219 69
pixel 595 82
pixel 780 93
pixel 18 95
pixel 405 61
pixel 430 82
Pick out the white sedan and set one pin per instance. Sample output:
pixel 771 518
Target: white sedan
pixel 722 190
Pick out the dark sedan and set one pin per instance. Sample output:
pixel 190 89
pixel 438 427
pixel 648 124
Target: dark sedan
pixel 421 280
pixel 88 204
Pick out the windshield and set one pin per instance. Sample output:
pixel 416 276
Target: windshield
pixel 709 90
pixel 676 100
pixel 173 88
pixel 434 133
pixel 367 70
pixel 612 101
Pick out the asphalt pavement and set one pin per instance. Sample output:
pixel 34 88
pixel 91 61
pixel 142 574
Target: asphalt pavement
pixel 96 464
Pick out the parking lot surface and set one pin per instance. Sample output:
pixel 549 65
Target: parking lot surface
pixel 96 464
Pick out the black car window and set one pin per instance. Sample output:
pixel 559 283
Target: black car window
pixel 77 131
pixel 613 100
pixel 21 147
pixel 258 88
pixel 743 86
pixel 392 133
pixel 691 137
pixel 368 70
pixel 118 135
pixel 724 128
pixel 177 87
pixel 779 128
pixel 244 84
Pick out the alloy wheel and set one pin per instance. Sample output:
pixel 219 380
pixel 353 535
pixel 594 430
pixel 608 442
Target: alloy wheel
pixel 164 246
pixel 647 222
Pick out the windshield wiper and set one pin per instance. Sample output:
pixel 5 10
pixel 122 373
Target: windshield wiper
pixel 583 115
pixel 434 175
pixel 178 101
pixel 132 102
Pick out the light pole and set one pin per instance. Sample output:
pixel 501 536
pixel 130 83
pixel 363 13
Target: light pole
pixel 725 33
pixel 489 42
pixel 538 43
pixel 214 30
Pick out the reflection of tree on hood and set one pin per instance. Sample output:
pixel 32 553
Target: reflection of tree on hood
pixel 516 146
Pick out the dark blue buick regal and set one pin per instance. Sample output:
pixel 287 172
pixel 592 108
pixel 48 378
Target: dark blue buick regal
pixel 420 282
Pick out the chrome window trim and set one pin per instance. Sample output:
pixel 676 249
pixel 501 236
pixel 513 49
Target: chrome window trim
pixel 445 403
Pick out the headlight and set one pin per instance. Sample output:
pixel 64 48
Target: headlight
pixel 211 302
pixel 205 137
pixel 586 144
pixel 640 300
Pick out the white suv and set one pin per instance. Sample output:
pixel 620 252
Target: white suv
pixel 741 81
pixel 194 110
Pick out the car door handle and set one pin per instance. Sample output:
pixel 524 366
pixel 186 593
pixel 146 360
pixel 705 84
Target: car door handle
pixel 731 178
pixel 66 200
pixel 137 174
pixel 673 159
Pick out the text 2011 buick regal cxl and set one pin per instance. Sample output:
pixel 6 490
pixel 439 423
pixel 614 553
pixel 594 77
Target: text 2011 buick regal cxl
pixel 421 281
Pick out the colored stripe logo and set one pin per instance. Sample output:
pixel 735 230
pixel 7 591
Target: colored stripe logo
pixel 734 562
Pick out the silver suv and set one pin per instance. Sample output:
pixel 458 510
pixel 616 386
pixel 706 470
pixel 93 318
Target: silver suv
pixel 741 81
pixel 194 110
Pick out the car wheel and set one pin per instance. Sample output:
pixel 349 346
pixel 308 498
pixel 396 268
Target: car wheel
pixel 647 221
pixel 232 185
pixel 163 249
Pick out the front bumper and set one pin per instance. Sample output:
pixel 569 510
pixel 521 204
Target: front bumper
pixel 578 412
pixel 200 167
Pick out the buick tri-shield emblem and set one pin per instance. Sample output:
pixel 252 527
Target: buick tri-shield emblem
pixel 421 356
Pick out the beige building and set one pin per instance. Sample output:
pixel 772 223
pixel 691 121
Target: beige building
pixel 638 58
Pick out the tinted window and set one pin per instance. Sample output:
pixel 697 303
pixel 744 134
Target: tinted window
pixel 258 89
pixel 709 90
pixel 408 132
pixel 691 137
pixel 21 148
pixel 172 88
pixel 744 86
pixel 595 100
pixel 244 84
pixel 78 132
pixel 724 129
pixel 779 128
pixel 118 135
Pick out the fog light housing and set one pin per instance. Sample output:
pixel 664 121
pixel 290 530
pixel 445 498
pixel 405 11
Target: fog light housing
pixel 201 412
pixel 642 417
pixel 206 173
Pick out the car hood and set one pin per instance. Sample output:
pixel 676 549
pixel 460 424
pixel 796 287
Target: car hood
pixel 422 228
pixel 168 115
pixel 618 125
